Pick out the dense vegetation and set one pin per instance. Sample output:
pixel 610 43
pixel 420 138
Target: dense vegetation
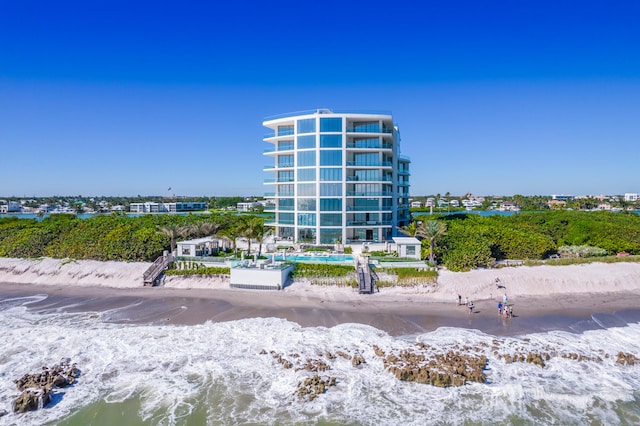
pixel 116 237
pixel 475 241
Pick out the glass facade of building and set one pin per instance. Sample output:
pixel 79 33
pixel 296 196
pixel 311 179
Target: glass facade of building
pixel 344 178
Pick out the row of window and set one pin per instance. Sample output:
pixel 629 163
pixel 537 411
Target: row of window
pixel 329 219
pixel 331 141
pixel 330 124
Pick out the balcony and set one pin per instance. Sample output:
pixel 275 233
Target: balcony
pixel 370 164
pixel 269 194
pixel 369 194
pixel 356 145
pixel 369 179
pixel 369 129
pixel 369 223
pixel 364 208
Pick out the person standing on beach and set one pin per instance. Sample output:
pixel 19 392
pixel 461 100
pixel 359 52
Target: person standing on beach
pixel 505 299
pixel 470 307
pixel 466 301
pixel 459 300
pixel 499 308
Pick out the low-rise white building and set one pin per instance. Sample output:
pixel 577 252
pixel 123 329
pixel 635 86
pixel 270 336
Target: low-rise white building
pixel 631 196
pixel 173 207
pixel 408 247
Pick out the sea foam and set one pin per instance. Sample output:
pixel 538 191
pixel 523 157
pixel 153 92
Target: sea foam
pixel 229 368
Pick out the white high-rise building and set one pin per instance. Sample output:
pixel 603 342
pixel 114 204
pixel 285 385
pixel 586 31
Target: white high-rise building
pixel 338 176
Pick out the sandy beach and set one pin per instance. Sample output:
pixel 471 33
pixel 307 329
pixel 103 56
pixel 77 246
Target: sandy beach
pixel 543 297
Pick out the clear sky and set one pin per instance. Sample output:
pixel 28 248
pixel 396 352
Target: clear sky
pixel 110 97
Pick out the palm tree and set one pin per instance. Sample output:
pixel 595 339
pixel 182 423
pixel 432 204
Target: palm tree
pixel 253 228
pixel 173 230
pixel 411 229
pixel 432 230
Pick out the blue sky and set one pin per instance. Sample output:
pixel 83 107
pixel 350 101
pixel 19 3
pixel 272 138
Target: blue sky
pixel 492 97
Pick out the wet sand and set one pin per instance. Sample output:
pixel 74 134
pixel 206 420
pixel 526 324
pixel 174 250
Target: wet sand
pixel 158 305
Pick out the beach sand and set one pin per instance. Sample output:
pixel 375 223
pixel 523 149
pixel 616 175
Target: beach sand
pixel 543 297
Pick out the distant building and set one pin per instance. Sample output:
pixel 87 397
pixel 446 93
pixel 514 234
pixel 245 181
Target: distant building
pixel 562 197
pixel 416 204
pixel 247 206
pixel 11 207
pixel 174 207
pixel 631 197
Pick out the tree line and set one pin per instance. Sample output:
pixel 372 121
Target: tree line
pixel 118 237
pixel 466 241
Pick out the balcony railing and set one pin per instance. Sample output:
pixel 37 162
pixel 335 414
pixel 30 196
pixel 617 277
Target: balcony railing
pixel 269 194
pixel 369 129
pixel 366 208
pixel 370 164
pixel 369 179
pixel 356 145
pixel 369 223
pixel 369 194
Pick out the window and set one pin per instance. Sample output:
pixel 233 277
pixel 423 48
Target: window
pixel 285 145
pixel 330 189
pixel 330 158
pixel 285 190
pixel 306 175
pixel 285 176
pixel 330 204
pixel 411 250
pixel 285 130
pixel 306 158
pixel 331 219
pixel 307 204
pixel 367 175
pixel 285 161
pixel 307 234
pixel 306 189
pixel 330 236
pixel 330 174
pixel 366 126
pixel 365 143
pixel 307 125
pixel 360 204
pixel 285 218
pixel 306 219
pixel 331 124
pixel 330 141
pixel 285 204
pixel 368 159
pixel 306 142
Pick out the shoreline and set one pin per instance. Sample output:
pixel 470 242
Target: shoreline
pixel 544 298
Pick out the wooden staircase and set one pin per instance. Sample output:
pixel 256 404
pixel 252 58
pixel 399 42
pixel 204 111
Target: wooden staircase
pixel 366 277
pixel 154 271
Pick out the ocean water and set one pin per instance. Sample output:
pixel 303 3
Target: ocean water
pixel 217 373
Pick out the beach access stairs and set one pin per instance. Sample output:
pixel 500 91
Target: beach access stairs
pixel 152 275
pixel 366 276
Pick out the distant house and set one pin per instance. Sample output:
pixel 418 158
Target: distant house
pixel 556 204
pixel 416 204
pixel 431 202
pixel 631 197
pixel 454 203
pixel 247 206
pixel 11 207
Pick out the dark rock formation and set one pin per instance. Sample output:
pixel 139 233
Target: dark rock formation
pixel 311 387
pixel 36 388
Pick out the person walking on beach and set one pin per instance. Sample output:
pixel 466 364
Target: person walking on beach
pixel 499 308
pixel 505 299
pixel 466 301
pixel 459 300
pixel 470 307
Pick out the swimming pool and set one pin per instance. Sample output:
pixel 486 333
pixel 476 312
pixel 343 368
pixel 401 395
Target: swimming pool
pixel 318 258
